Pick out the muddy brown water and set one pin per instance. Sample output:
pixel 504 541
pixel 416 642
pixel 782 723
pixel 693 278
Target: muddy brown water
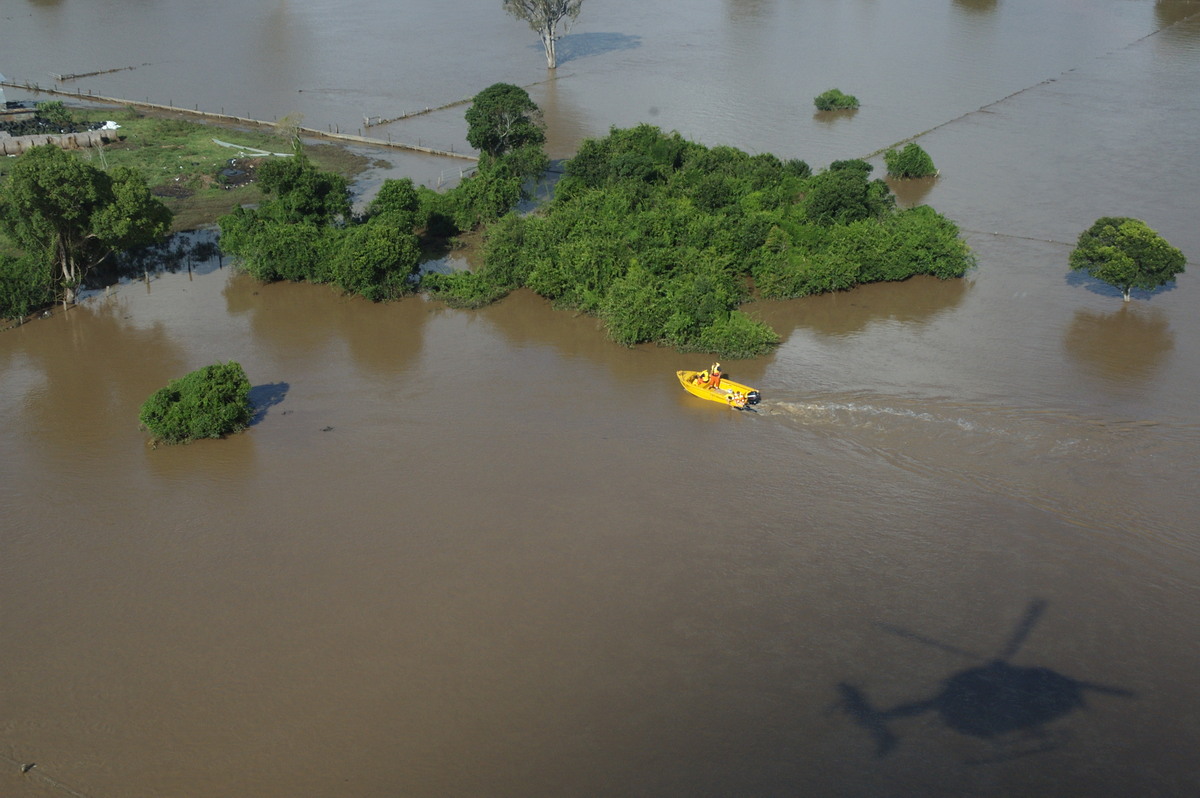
pixel 490 553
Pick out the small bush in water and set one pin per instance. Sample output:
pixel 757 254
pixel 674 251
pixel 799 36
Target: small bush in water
pixel 208 403
pixel 834 100
pixel 912 161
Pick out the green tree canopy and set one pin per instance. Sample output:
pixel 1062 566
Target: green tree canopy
pixel 1127 254
pixel 301 192
pixel 306 232
pixel 56 207
pixel 845 193
pixel 502 118
pixel 544 17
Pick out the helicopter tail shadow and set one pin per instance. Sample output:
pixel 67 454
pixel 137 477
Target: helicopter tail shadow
pixel 855 704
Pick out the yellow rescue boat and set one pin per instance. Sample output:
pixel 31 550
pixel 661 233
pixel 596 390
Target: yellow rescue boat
pixel 718 389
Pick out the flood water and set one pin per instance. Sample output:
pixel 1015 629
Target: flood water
pixel 491 553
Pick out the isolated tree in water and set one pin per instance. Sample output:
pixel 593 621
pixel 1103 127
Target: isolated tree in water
pixel 544 17
pixel 502 119
pixel 1127 254
pixel 57 207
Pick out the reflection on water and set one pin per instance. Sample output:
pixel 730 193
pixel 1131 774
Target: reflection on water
pixel 830 118
pixel 90 365
pixel 1126 345
pixel 911 192
pixel 976 6
pixel 382 338
pixel 914 301
pixel 1169 12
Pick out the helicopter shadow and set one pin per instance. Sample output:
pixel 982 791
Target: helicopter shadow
pixel 1008 706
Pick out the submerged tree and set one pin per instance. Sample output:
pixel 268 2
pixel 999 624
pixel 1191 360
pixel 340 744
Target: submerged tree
pixel 544 17
pixel 1127 254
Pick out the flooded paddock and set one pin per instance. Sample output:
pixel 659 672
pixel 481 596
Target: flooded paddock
pixel 492 553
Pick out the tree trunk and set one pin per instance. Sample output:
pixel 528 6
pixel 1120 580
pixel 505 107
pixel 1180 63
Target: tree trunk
pixel 1125 291
pixel 548 39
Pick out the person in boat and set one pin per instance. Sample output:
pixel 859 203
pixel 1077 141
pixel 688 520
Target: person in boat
pixel 714 379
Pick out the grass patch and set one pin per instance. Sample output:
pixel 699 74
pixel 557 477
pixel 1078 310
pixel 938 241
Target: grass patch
pixel 183 165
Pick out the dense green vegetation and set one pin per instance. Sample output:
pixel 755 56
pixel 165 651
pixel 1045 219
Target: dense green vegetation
pixel 210 402
pixel 25 285
pixel 66 216
pixel 911 161
pixel 659 237
pixel 1126 253
pixel 835 100
pixel 304 228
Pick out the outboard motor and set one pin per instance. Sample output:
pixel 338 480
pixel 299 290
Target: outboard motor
pixel 752 398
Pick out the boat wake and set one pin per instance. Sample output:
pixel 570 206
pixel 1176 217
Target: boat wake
pixel 1057 460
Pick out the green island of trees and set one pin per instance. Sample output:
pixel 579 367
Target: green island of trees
pixel 210 402
pixel 1126 253
pixel 835 100
pixel 661 238
pixel 911 161
pixel 664 239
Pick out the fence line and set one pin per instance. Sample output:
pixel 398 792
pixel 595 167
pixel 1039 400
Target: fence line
pixel 335 134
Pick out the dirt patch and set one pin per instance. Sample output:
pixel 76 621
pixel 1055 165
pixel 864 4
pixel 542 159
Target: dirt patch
pixel 171 190
pixel 238 172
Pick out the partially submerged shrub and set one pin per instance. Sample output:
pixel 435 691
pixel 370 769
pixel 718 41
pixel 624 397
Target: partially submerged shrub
pixel 25 285
pixel 912 161
pixel 208 403
pixel 834 100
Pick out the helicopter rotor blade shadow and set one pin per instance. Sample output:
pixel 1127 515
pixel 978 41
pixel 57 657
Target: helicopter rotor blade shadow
pixel 929 641
pixel 1023 628
pixel 1106 689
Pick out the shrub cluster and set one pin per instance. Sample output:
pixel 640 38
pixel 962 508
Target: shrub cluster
pixel 25 285
pixel 304 230
pixel 659 237
pixel 911 161
pixel 208 403
pixel 835 100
